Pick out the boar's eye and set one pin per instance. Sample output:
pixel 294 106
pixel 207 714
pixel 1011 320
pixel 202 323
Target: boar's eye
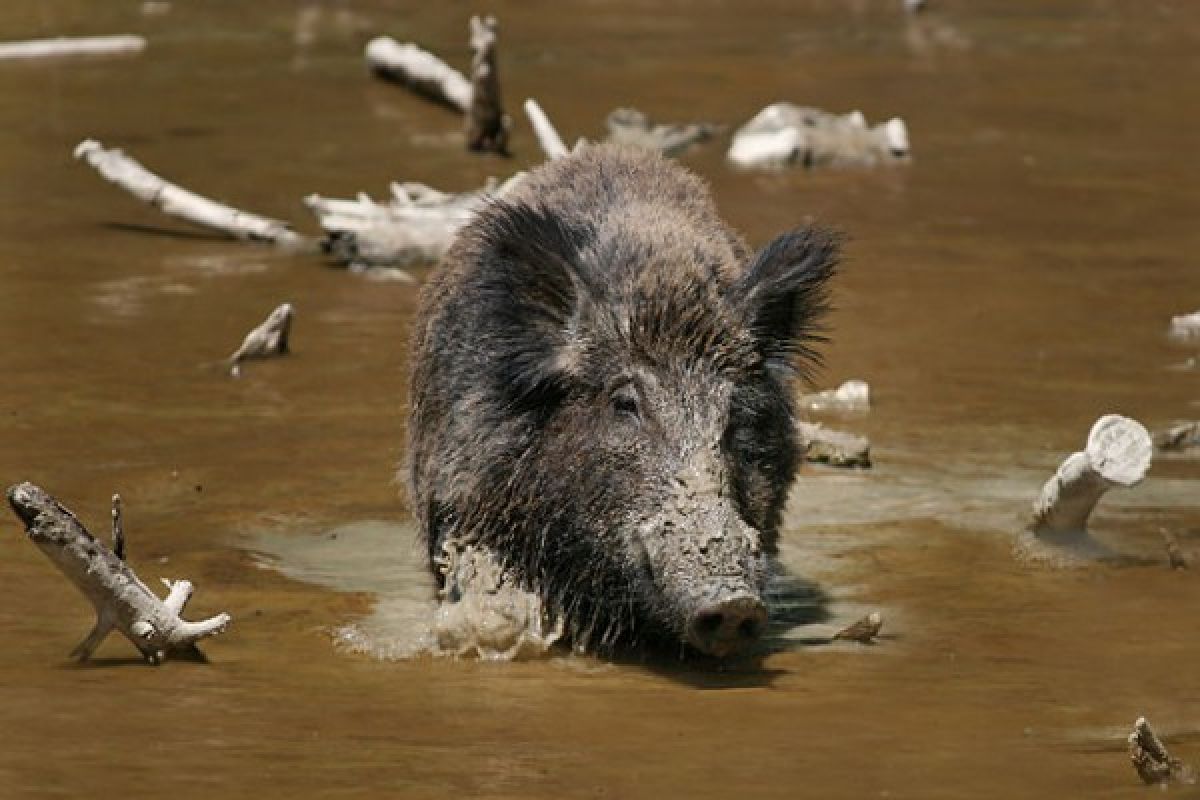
pixel 625 401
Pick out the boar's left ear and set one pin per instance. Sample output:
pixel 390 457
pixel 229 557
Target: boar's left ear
pixel 784 293
pixel 533 292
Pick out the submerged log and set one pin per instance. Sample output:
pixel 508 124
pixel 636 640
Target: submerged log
pixel 784 134
pixel 122 170
pixel 122 602
pixel 1180 437
pixel 420 71
pixel 1185 328
pixel 851 396
pixel 823 445
pixel 487 124
pixel 268 339
pixel 630 126
pixel 1118 453
pixel 416 227
pixel 1149 756
pixel 72 46
pixel 547 136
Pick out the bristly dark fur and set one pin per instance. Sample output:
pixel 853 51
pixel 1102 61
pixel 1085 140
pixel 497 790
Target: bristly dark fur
pixel 606 269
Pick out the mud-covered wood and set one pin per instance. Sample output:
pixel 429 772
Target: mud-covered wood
pixel 864 631
pixel 487 124
pixel 270 338
pixel 822 445
pixel 72 46
pixel 122 170
pixel 122 602
pixel 632 127
pixel 1118 453
pixel 784 134
pixel 419 70
pixel 1149 756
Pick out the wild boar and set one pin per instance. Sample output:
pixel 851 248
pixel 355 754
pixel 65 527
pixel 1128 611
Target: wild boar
pixel 602 395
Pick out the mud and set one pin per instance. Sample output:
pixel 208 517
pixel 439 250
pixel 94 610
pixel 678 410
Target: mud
pixel 1005 289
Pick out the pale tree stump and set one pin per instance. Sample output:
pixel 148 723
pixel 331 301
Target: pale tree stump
pixel 1118 453
pixel 122 602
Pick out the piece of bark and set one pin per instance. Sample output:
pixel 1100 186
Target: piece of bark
pixel 784 134
pixel 1150 758
pixel 864 631
pixel 1185 328
pixel 1180 437
pixel 547 137
pixel 416 227
pixel 420 71
pixel 122 602
pixel 1118 453
pixel 269 339
pixel 851 396
pixel 122 170
pixel 632 127
pixel 72 46
pixel 487 124
pixel 823 445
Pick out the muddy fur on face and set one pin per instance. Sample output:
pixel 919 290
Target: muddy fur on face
pixel 602 381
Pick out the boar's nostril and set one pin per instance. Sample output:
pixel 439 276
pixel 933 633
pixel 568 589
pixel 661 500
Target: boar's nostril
pixel 725 626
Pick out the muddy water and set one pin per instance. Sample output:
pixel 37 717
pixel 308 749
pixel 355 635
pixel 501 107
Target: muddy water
pixel 1002 292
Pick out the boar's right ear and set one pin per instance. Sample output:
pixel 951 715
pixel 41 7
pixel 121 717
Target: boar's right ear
pixel 533 293
pixel 784 293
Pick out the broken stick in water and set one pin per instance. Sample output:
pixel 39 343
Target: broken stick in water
pixel 548 138
pixel 121 600
pixel 122 170
pixel 1152 761
pixel 1118 453
pixel 864 631
pixel 851 396
pixel 632 127
pixel 1180 437
pixel 785 134
pixel 420 71
pixel 268 339
pixel 416 227
pixel 72 46
pixel 487 124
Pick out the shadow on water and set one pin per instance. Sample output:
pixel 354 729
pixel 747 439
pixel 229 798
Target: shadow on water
pixel 168 233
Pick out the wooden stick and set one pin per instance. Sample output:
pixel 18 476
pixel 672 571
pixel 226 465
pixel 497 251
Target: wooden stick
pixel 72 46
pixel 269 339
pixel 551 143
pixel 1118 453
pixel 823 445
pixel 121 600
pixel 784 134
pixel 1180 437
pixel 122 170
pixel 864 631
pixel 118 533
pixel 487 124
pixel 1150 758
pixel 420 71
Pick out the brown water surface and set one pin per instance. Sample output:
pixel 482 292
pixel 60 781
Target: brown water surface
pixel 1001 292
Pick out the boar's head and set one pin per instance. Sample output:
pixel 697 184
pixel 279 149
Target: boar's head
pixel 629 432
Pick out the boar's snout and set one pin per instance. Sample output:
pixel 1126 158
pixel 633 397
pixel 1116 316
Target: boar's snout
pixel 727 625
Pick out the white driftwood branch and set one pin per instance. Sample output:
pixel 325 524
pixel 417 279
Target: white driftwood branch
pixel 116 167
pixel 416 227
pixel 487 124
pixel 121 600
pixel 784 134
pixel 551 143
pixel 632 127
pixel 269 339
pixel 823 445
pixel 1185 328
pixel 1118 453
pixel 419 70
pixel 851 396
pixel 72 46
